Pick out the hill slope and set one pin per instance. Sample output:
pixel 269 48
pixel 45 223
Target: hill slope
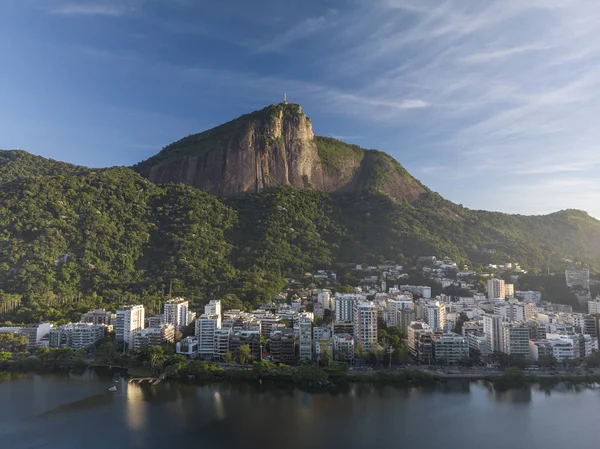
pixel 72 238
pixel 276 147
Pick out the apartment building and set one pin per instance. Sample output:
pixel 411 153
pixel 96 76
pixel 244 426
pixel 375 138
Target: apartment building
pixel 129 320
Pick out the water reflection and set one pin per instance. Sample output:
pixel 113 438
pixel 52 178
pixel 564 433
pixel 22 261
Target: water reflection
pixel 136 409
pixel 219 406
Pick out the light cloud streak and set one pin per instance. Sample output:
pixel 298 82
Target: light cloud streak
pixel 94 9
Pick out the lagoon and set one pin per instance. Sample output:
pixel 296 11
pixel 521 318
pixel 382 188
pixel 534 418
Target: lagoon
pixel 66 411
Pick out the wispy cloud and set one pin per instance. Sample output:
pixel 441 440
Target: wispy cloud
pixel 93 9
pixel 306 28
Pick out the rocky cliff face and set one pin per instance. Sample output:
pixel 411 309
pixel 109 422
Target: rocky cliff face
pixel 273 147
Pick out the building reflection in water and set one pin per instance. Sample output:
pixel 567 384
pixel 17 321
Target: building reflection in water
pixel 219 406
pixel 136 414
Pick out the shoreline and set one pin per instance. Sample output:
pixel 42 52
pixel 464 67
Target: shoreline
pixel 317 378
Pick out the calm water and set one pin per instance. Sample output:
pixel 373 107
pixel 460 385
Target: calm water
pixel 75 412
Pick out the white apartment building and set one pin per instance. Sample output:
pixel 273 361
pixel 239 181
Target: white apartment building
pixel 594 306
pixel 221 343
pixel 510 311
pixel 206 327
pixel 434 314
pixel 365 324
pixel 478 343
pixel 213 307
pixel 491 330
pixel 324 298
pixel 509 290
pixel 496 289
pixel 176 312
pixel 154 336
pixel 345 305
pixel 515 339
pixel 129 319
pixel 305 339
pixel 76 336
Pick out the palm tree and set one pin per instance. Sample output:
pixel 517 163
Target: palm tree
pixel 157 358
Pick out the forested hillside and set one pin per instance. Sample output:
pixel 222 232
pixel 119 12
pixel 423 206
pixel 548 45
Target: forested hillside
pixel 73 238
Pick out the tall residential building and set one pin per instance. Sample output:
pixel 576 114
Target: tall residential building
pixel 344 307
pixel 213 307
pixel 305 339
pixel 509 289
pixel 324 298
pixel 515 339
pixel 496 289
pixel 206 326
pixel 577 278
pixel 394 308
pixel 420 342
pixel 154 336
pixel 491 330
pixel 594 306
pixel 365 324
pixel 435 315
pixel 406 317
pixel 98 316
pixel 129 319
pixel 176 313
pixel 221 343
pixel 283 347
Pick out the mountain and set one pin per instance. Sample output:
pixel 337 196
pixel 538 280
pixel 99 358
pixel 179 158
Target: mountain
pixel 276 147
pixel 73 238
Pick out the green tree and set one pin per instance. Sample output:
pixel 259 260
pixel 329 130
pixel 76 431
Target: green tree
pixel 244 354
pixel 13 343
pixel 228 358
pixel 157 358
pixel 4 356
pixel 105 353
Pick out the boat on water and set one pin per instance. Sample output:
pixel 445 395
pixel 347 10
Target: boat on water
pixel 113 388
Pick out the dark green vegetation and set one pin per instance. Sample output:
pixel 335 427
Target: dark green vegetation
pixel 73 238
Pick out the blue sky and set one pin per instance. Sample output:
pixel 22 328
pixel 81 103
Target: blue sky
pixel 491 103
